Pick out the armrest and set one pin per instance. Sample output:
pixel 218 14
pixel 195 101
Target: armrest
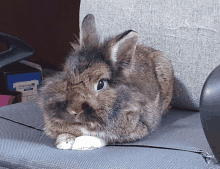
pixel 17 50
pixel 210 111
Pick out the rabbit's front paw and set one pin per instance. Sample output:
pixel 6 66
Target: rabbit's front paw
pixel 88 143
pixel 65 141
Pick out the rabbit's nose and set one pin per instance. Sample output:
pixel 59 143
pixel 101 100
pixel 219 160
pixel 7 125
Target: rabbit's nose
pixel 76 109
pixel 71 111
pixel 87 108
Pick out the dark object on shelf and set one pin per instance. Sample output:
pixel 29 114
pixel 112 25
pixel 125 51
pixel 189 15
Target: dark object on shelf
pixel 17 50
pixel 210 111
pixel 18 78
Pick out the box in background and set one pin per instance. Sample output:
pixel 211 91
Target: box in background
pixel 23 77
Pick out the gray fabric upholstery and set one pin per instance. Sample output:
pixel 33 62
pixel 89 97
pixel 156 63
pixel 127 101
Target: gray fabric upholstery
pixel 2 167
pixel 188 32
pixel 179 142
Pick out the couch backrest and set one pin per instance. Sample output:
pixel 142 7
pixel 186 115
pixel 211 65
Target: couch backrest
pixel 188 32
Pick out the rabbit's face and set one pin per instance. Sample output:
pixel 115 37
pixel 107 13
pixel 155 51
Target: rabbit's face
pixel 89 95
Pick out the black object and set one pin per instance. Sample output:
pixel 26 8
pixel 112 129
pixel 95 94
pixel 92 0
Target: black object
pixel 210 111
pixel 17 50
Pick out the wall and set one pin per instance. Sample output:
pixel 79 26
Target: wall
pixel 48 26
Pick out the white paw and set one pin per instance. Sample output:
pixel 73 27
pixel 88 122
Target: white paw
pixel 64 142
pixel 65 145
pixel 88 143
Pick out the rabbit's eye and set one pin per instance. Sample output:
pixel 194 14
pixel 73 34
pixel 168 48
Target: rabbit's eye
pixel 100 84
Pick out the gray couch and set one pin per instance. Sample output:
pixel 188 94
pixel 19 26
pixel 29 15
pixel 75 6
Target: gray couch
pixel 178 143
pixel 188 33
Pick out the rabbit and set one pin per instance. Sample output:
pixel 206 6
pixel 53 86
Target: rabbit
pixel 110 92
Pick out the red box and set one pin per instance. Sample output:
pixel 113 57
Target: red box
pixel 6 100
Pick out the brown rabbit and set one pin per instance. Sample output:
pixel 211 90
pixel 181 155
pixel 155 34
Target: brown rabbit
pixel 115 91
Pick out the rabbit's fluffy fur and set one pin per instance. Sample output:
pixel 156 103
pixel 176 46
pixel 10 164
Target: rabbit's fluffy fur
pixel 116 90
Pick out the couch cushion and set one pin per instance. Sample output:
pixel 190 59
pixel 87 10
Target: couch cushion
pixel 180 138
pixel 188 32
pixel 27 113
pixel 22 147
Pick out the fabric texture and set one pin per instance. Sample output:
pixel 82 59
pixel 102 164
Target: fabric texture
pixel 188 32
pixel 179 142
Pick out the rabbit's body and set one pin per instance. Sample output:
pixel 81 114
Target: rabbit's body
pixel 116 91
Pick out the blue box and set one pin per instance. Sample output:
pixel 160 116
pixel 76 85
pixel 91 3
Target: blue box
pixel 18 72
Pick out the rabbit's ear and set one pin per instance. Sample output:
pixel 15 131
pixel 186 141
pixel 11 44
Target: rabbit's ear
pixel 89 35
pixel 124 47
